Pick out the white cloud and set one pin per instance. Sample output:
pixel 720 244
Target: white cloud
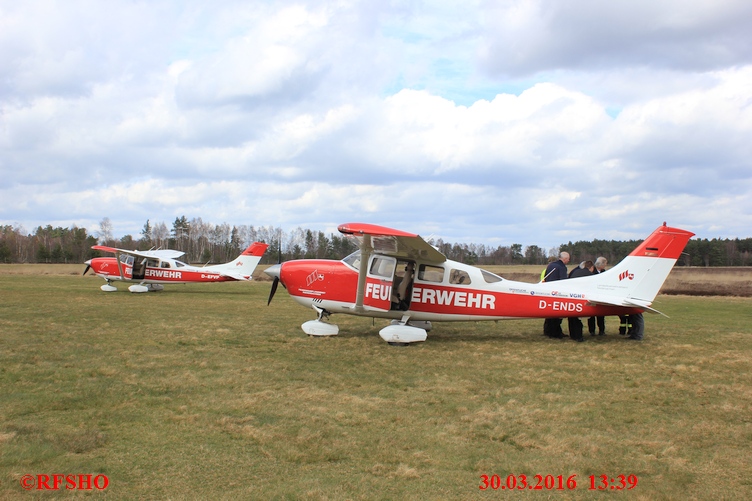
pixel 543 35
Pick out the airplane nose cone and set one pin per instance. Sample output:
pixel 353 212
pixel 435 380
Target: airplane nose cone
pixel 274 271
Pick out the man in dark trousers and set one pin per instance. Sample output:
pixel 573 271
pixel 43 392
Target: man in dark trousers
pixel 600 267
pixel 575 324
pixel 555 271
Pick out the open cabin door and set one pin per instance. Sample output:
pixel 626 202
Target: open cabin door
pixel 139 268
pixel 379 282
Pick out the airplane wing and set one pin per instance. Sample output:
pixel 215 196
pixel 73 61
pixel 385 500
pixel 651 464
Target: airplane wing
pixel 396 243
pixel 392 242
pixel 157 254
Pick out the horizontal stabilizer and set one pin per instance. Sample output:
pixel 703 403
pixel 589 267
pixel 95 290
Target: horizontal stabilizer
pixel 235 276
pixel 644 307
pixel 615 301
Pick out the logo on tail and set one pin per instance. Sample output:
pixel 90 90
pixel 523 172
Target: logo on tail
pixel 627 275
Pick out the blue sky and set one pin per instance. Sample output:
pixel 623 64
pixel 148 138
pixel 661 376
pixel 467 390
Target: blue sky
pixel 533 122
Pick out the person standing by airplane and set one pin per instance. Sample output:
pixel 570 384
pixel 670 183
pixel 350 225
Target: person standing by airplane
pixel 555 271
pixel 600 267
pixel 585 269
pixel 543 271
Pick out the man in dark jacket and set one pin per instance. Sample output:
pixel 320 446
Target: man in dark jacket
pixel 555 271
pixel 575 324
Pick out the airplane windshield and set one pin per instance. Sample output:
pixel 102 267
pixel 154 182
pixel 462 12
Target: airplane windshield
pixel 490 278
pixel 353 260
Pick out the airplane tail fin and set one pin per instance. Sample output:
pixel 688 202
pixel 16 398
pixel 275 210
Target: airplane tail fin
pixel 636 280
pixel 242 267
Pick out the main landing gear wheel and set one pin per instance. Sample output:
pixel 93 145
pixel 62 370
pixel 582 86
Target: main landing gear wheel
pixel 402 334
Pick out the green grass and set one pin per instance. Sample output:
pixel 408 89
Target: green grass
pixel 204 392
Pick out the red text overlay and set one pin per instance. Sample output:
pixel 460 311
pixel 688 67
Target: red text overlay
pixel 59 482
pixel 557 482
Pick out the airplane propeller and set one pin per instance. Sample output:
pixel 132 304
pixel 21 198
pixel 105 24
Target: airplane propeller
pixel 88 267
pixel 275 283
pixel 275 271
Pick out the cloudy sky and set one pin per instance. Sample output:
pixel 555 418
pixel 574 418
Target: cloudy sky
pixel 497 122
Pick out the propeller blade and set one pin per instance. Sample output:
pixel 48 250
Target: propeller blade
pixel 275 283
pixel 88 267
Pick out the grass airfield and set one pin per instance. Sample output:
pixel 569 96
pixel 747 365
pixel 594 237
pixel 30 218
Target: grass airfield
pixel 204 392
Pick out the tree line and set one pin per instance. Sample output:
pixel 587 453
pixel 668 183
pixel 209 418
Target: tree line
pixel 205 242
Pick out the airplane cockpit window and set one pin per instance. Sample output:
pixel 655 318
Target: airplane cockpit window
pixel 353 260
pixel 428 273
pixel 490 278
pixel 152 263
pixel 126 259
pixel 178 264
pixel 459 277
pixel 164 264
pixel 382 267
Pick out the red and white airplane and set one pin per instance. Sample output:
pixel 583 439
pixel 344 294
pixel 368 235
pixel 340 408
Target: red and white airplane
pixel 398 275
pixel 150 270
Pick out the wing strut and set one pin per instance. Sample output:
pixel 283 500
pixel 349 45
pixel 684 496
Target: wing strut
pixel 366 249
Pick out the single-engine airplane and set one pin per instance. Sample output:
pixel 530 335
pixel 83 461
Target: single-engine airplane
pixel 398 275
pixel 150 270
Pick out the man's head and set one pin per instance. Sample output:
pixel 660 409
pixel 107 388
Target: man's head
pixel 600 263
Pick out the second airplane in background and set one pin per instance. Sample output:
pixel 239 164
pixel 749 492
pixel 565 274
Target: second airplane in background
pixel 151 270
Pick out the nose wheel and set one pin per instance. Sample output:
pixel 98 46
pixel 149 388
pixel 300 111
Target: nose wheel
pixel 108 287
pixel 318 327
